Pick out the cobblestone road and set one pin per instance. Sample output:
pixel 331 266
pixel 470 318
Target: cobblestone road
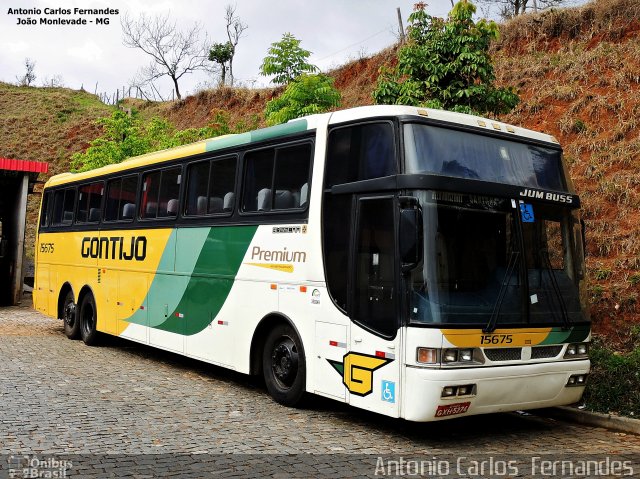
pixel 114 405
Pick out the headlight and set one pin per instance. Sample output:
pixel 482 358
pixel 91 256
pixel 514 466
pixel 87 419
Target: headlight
pixel 466 355
pixel 577 351
pixel 450 357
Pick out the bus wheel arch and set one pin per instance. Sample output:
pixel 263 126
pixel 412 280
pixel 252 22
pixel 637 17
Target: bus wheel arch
pixel 67 311
pixel 278 353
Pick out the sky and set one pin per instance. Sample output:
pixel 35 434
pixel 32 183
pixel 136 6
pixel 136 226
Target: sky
pixel 83 55
pixel 93 56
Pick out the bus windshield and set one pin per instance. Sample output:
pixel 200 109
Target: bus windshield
pixel 486 262
pixel 462 154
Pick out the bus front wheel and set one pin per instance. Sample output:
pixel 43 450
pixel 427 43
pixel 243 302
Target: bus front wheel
pixel 283 365
pixel 88 320
pixel 69 316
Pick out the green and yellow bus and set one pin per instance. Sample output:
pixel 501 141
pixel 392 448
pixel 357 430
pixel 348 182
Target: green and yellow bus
pixel 417 263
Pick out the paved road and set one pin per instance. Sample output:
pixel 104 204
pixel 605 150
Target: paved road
pixel 120 406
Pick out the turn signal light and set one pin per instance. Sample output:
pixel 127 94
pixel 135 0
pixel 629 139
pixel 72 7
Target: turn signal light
pixel 427 355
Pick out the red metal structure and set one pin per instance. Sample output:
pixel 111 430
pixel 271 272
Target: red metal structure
pixel 17 178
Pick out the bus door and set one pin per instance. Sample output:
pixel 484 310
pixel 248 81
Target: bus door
pixel 372 365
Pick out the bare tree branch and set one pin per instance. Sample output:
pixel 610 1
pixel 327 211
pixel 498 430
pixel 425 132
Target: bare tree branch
pixel 235 29
pixel 29 76
pixel 174 53
pixel 513 8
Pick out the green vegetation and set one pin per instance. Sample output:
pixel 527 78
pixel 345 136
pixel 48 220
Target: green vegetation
pixel 614 381
pixel 446 64
pixel 125 136
pixel 286 60
pixel 306 95
pixel 222 54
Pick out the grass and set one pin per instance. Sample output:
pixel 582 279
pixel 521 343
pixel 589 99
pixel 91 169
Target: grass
pixel 614 381
pixel 46 124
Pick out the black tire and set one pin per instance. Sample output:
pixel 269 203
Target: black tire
pixel 283 366
pixel 70 317
pixel 88 320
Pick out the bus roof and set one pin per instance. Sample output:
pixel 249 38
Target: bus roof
pixel 438 115
pixel 295 126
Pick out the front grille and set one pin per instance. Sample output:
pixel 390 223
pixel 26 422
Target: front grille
pixel 503 354
pixel 542 352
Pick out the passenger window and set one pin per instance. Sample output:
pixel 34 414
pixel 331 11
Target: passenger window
pixel 89 203
pixel 63 204
pixel 277 178
pixel 210 188
pixel 44 212
pixel 360 152
pixel 121 199
pixel 160 194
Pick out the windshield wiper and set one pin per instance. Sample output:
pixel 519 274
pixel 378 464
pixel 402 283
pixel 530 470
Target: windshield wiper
pixel 544 254
pixel 511 266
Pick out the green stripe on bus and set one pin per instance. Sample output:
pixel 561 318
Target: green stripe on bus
pixel 194 301
pixel 575 334
pixel 215 272
pixel 257 135
pixel 167 287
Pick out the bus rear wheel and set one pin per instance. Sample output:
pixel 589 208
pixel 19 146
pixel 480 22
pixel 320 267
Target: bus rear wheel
pixel 283 366
pixel 88 320
pixel 69 316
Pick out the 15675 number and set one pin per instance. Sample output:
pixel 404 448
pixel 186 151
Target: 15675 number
pixel 46 247
pixel 496 339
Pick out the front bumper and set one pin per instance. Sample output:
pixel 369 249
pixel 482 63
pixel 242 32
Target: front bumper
pixel 498 389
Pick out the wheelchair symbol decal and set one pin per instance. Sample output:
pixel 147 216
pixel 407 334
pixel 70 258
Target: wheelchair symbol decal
pixel 388 391
pixel 526 212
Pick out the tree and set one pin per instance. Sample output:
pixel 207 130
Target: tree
pixel 56 81
pixel 222 53
pixel 446 64
pixel 174 53
pixel 29 75
pixel 122 138
pixel 127 135
pixel 286 60
pixel 235 29
pixel 513 8
pixel 305 95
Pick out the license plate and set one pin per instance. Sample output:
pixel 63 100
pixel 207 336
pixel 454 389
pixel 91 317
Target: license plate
pixel 451 409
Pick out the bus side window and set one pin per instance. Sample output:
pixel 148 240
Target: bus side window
pixel 257 178
pixel 63 206
pixel 44 213
pixel 360 152
pixel 89 203
pixel 291 175
pixel 277 178
pixel 121 198
pixel 210 187
pixel 160 193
